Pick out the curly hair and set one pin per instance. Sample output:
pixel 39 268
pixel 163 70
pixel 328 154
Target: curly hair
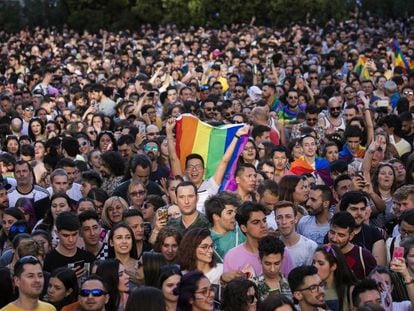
pixel 235 294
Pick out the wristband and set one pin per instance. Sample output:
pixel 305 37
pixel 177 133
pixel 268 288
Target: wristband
pixel 409 282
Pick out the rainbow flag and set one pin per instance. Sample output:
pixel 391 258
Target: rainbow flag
pixel 399 59
pixel 359 67
pixel 195 136
pixel 322 168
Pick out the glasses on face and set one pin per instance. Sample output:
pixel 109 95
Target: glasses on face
pixel 335 108
pixel 311 119
pixel 408 93
pixel 206 292
pixel 313 78
pixel 140 193
pixel 314 288
pixel 293 97
pixel 406 233
pixel 89 132
pixel 151 148
pixel 210 109
pixel 95 292
pixel 29 109
pixel 238 91
pixel 146 205
pixel 83 143
pixel 196 167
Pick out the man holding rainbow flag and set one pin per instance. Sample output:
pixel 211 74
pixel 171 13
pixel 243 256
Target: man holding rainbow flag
pixel 206 155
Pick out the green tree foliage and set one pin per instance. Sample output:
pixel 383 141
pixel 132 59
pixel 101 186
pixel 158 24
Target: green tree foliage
pixel 129 14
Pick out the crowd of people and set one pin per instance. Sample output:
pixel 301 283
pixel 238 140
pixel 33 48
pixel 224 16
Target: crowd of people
pixel 100 213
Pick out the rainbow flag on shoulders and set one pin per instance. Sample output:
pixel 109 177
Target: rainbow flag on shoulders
pixel 195 136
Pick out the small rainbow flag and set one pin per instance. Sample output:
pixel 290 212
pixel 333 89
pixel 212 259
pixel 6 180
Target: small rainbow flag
pixel 399 59
pixel 195 136
pixel 359 67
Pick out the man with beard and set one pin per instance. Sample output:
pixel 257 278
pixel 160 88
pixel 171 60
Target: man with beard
pixel 300 247
pixel 158 170
pixel 29 279
pixel 407 128
pixel 340 234
pixel 332 121
pixel 209 109
pixel 369 237
pixel 308 290
pixel 315 226
pixel 104 104
pixel 93 295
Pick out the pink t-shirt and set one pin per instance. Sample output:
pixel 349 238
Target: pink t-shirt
pixel 239 257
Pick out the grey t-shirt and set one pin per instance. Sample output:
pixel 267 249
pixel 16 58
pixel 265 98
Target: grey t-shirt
pixel 309 228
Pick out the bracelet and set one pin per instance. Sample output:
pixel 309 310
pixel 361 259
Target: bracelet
pixel 237 136
pixel 409 282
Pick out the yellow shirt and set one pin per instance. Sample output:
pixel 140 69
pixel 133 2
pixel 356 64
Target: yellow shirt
pixel 42 306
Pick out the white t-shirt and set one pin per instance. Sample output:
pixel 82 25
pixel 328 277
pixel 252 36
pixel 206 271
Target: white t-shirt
pixel 207 188
pixel 302 252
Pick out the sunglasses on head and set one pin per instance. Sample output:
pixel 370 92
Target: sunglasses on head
pixel 95 292
pixel 20 229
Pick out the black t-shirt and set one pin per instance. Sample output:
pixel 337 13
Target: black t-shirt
pixel 55 259
pixel 367 237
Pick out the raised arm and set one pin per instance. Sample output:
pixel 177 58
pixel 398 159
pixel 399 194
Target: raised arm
pixel 222 166
pixel 172 154
pixel 368 119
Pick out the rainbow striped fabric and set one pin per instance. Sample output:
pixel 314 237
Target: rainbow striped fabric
pixel 399 59
pixel 195 136
pixel 359 67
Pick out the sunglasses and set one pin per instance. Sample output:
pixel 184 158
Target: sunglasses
pixel 29 109
pixel 210 109
pixel 136 193
pixel 26 260
pixel 20 229
pixel 335 108
pixel 95 292
pixel 149 148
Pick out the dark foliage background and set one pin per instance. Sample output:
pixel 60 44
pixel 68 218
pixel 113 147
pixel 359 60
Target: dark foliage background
pixel 129 14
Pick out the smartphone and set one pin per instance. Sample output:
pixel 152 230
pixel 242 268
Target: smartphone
pixel 163 213
pixel 76 265
pixel 142 128
pixel 382 103
pixel 398 252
